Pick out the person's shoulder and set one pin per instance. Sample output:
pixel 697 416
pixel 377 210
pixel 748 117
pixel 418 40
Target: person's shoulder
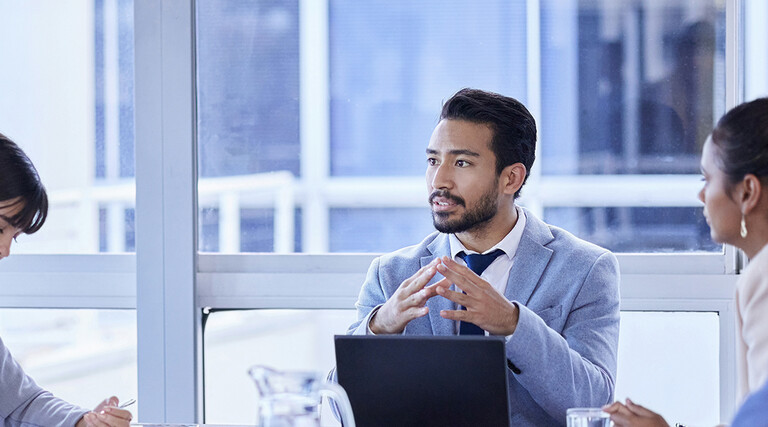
pixel 754 278
pixel 759 262
pixel 581 256
pixel 754 411
pixel 565 238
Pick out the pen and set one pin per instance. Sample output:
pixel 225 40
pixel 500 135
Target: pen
pixel 127 403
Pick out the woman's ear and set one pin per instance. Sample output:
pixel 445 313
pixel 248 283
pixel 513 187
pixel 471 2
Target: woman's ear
pixel 512 178
pixel 751 192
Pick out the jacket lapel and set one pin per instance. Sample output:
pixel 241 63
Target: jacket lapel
pixel 530 260
pixel 440 326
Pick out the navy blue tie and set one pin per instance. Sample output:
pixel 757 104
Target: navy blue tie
pixel 477 263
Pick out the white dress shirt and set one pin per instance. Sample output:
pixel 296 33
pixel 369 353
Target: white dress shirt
pixel 497 273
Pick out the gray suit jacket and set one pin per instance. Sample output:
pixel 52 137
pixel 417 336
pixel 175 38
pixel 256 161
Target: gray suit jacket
pixel 563 352
pixel 24 404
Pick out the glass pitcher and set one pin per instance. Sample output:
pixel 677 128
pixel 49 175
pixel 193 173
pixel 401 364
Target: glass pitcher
pixel 292 399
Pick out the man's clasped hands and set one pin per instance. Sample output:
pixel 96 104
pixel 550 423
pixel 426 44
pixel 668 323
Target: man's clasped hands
pixel 485 306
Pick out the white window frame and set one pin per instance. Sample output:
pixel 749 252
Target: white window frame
pixel 170 284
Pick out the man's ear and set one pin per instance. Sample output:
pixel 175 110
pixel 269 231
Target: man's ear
pixel 751 191
pixel 512 178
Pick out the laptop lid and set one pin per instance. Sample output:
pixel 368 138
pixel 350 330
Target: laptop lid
pixel 424 380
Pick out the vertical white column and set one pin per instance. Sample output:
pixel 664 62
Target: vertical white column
pixel 755 49
pixel 734 62
pixel 229 222
pixel 115 227
pixel 315 121
pixel 631 78
pixel 727 363
pixel 734 94
pixel 169 328
pixel 531 192
pixel 115 211
pixel 284 218
pixel 111 90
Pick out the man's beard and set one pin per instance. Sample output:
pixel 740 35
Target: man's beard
pixel 484 211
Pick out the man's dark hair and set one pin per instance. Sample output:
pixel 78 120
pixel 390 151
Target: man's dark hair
pixel 741 136
pixel 514 129
pixel 20 185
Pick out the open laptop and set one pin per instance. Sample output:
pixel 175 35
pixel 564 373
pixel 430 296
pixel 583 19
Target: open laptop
pixel 424 380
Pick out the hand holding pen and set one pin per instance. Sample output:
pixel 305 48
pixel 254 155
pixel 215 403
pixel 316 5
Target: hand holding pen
pixel 108 414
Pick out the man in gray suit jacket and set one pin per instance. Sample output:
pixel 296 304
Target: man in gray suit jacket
pixel 554 297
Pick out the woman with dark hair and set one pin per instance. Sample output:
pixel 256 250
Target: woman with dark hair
pixel 734 163
pixel 23 209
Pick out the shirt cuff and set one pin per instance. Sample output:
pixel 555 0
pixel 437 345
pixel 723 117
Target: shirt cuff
pixel 368 330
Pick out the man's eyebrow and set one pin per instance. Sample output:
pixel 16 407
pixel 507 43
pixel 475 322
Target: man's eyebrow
pixel 456 152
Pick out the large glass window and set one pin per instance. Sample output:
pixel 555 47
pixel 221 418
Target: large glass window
pixel 634 86
pixel 313 118
pixel 656 366
pixel 67 87
pixel 67 100
pixel 291 340
pixel 82 356
pixel 319 115
pixel 637 229
pixel 393 63
pixel 673 370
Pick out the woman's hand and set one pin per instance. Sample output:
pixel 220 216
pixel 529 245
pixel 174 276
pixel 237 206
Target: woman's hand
pixel 633 415
pixel 106 414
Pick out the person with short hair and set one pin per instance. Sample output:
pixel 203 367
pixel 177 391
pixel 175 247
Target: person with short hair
pixel 734 163
pixel 493 268
pixel 23 210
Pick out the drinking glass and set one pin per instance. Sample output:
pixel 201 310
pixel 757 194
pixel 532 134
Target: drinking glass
pixel 588 417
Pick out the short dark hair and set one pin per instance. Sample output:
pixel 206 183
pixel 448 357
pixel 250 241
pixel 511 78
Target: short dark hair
pixel 513 126
pixel 741 137
pixel 20 184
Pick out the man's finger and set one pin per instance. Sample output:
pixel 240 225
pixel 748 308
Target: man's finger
pixel 443 283
pixel 460 269
pixel 407 282
pixel 420 298
pixel 421 278
pixel 463 282
pixel 454 314
pixel 457 297
pixel 415 312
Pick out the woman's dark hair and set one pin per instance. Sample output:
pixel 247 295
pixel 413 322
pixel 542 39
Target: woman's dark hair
pixel 741 137
pixel 514 128
pixel 20 185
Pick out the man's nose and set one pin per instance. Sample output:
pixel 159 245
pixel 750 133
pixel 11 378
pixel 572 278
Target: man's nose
pixel 442 178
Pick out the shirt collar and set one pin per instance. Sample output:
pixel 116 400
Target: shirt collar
pixel 508 244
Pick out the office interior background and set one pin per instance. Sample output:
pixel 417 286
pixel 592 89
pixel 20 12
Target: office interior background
pixel 221 173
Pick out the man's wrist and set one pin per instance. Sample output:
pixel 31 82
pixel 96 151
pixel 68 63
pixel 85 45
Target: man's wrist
pixel 514 319
pixel 372 330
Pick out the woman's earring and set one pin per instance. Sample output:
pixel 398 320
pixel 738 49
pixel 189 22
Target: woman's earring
pixel 743 227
